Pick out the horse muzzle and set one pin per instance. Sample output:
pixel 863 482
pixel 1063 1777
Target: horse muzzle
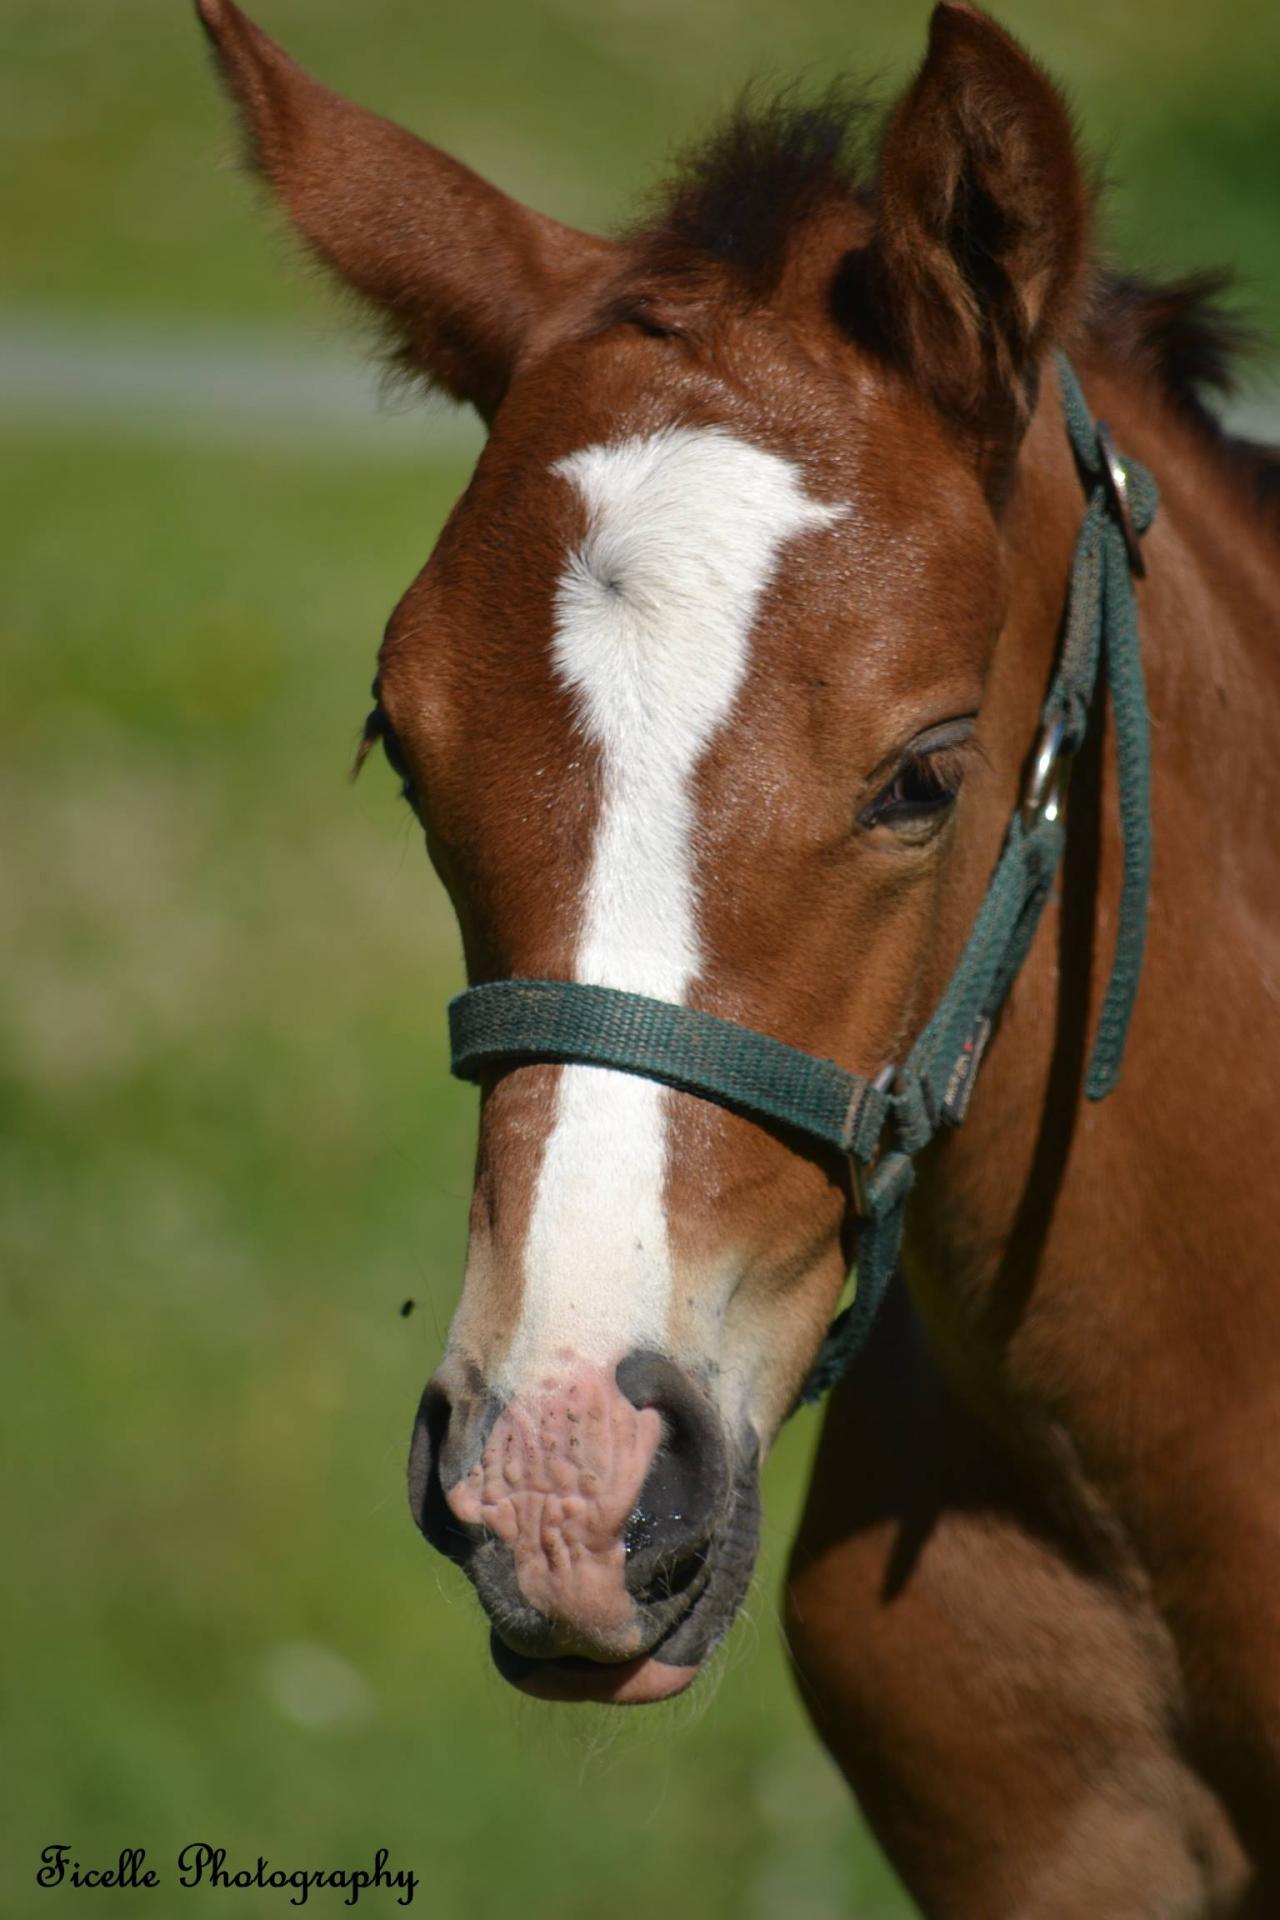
pixel 601 1514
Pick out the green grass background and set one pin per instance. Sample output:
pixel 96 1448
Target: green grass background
pixel 231 1147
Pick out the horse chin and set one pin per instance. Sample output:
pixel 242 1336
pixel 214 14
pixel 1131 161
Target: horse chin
pixel 626 1683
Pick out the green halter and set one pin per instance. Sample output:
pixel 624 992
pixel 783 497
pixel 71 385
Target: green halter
pixel 882 1124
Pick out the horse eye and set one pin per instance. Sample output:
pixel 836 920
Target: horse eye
pixel 921 791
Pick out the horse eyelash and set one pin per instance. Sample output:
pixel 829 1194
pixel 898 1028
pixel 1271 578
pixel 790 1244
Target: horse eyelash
pixel 370 734
pixel 944 767
pixel 378 727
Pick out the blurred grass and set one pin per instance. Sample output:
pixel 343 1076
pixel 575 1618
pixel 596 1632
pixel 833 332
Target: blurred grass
pixel 112 113
pixel 231 1147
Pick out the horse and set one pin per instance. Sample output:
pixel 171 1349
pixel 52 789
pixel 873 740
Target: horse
pixel 721 694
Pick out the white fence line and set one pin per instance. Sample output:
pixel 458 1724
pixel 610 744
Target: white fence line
pixel 246 389
pixel 255 389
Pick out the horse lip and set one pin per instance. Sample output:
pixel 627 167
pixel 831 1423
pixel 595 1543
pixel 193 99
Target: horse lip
pixel 633 1680
pixel 572 1678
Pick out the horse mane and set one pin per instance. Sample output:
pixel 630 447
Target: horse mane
pixel 1183 337
pixel 738 200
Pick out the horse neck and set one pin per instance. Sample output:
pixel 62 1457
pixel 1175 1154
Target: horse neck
pixel 1210 612
pixel 1044 1212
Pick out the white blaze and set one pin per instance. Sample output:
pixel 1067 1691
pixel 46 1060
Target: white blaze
pixel 654 616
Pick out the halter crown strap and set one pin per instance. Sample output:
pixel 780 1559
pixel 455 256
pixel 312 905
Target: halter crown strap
pixel 882 1124
pixel 1102 614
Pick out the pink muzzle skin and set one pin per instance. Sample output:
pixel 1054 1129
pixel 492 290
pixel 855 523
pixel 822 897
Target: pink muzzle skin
pixel 558 1478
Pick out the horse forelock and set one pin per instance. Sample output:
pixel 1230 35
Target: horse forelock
pixel 748 203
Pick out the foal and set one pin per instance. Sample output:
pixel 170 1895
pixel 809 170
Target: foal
pixel 721 687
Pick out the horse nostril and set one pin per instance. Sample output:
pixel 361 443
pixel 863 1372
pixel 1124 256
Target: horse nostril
pixel 687 1483
pixel 654 1575
pixel 427 1503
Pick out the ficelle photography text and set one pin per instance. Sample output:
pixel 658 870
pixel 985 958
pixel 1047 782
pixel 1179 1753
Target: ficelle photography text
pixel 200 1865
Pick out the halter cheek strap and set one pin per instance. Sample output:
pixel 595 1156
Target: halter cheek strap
pixel 881 1124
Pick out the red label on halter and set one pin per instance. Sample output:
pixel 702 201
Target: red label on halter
pixel 955 1102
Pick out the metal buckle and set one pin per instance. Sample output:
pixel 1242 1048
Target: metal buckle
pixel 1046 789
pixel 1117 485
pixel 858 1174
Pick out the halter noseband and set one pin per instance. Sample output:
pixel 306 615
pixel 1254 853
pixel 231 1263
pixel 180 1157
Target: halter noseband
pixel 882 1123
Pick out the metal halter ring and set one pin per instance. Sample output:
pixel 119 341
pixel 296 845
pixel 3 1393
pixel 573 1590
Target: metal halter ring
pixel 1117 485
pixel 858 1174
pixel 1045 790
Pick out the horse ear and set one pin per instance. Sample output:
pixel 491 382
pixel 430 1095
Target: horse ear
pixel 462 272
pixel 981 250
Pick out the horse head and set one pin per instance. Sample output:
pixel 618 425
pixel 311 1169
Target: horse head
pixel 697 697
